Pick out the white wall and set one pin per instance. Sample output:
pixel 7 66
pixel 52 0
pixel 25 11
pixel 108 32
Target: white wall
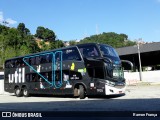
pixel 147 76
pixel 1 84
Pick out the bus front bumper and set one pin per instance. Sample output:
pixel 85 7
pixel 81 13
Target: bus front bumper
pixel 113 90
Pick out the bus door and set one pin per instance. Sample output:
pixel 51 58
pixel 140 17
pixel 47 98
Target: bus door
pixel 72 69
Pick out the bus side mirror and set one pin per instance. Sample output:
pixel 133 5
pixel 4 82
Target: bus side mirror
pixel 127 65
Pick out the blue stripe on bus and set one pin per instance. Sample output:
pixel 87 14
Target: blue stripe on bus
pixel 53 83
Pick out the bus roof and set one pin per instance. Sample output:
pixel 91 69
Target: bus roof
pixel 78 45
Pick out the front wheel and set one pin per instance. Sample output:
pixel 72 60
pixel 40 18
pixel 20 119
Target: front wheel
pixel 25 92
pixel 81 92
pixel 18 92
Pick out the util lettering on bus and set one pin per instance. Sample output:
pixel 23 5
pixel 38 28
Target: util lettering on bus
pixel 18 76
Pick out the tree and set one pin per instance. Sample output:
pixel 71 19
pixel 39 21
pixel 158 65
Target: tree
pixel 23 50
pixel 9 52
pixel 44 46
pixel 40 32
pixel 2 48
pixel 31 44
pixel 12 39
pixel 110 38
pixel 56 44
pixel 4 30
pixel 23 30
pixel 45 34
pixel 72 42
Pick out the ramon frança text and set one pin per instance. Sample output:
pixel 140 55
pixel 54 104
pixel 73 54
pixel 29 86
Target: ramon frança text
pixel 145 114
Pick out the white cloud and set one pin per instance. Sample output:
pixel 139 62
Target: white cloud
pixel 10 21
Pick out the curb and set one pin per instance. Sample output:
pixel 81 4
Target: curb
pixel 144 83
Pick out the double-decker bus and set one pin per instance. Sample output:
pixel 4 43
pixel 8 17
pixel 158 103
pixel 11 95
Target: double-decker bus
pixel 80 70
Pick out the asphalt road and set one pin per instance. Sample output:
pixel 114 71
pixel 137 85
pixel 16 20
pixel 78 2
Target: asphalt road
pixel 137 98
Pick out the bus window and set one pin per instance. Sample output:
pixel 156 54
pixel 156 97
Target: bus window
pixel 38 59
pixel 18 63
pixel 34 77
pixel 71 54
pixel 27 60
pixel 7 64
pixel 27 77
pixel 33 61
pixel 89 51
pixel 12 63
pixel 49 76
pixel 58 57
pixel 48 58
pixel 43 59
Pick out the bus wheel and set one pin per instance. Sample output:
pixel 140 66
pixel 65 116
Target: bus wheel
pixel 25 92
pixel 18 92
pixel 81 92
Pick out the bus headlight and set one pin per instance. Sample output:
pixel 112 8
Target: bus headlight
pixel 109 83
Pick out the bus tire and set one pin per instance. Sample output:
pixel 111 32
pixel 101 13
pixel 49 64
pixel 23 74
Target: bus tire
pixel 18 92
pixel 81 92
pixel 25 92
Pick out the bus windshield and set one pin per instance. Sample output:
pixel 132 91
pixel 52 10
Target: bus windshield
pixel 89 51
pixel 108 51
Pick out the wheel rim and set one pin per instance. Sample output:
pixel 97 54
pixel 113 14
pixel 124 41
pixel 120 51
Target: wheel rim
pixel 25 92
pixel 17 91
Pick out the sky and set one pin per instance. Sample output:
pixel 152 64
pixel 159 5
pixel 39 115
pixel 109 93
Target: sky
pixel 76 19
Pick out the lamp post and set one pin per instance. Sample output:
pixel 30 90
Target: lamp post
pixel 140 67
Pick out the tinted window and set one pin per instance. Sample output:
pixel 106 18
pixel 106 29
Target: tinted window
pixel 71 54
pixel 12 64
pixel 108 51
pixel 33 61
pixel 43 59
pixel 89 51
pixel 58 56
pixel 7 64
pixel 49 58
pixel 38 59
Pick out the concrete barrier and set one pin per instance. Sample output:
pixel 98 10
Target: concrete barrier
pixel 1 86
pixel 1 83
pixel 147 76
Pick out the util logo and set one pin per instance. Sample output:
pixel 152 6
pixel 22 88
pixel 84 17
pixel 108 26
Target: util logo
pixel 18 76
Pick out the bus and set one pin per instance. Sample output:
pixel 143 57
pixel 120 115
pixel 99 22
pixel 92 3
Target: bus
pixel 80 70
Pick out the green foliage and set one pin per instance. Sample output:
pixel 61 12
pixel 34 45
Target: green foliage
pixel 51 45
pixel 72 42
pixel 16 42
pixel 56 44
pixel 19 41
pixel 45 34
pixel 9 52
pixel 23 30
pixel 44 46
pixel 110 38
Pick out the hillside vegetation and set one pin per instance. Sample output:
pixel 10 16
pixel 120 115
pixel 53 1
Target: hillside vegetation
pixel 19 41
